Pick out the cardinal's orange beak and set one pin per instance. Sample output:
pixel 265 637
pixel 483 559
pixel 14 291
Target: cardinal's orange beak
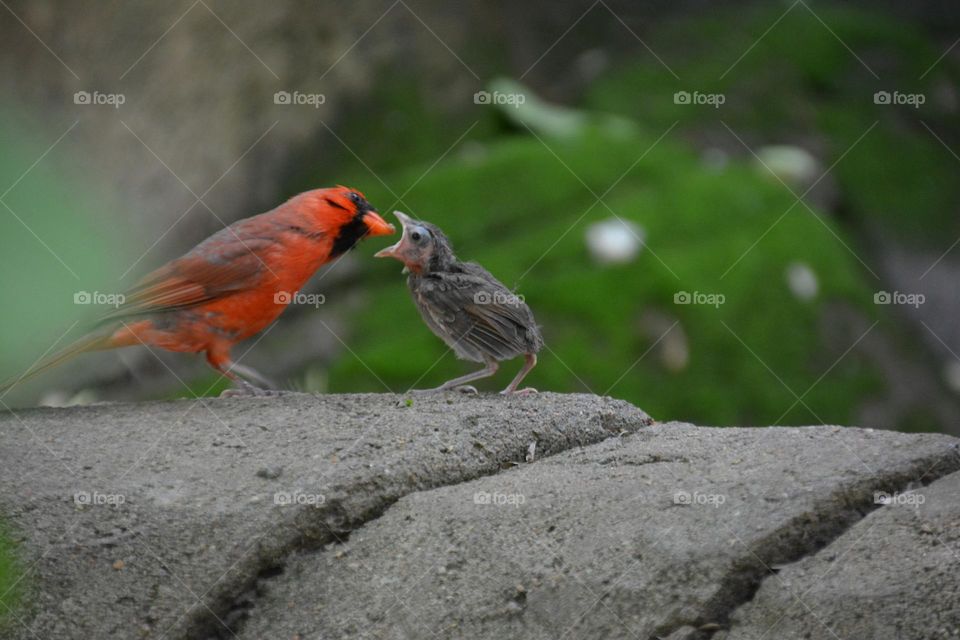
pixel 376 225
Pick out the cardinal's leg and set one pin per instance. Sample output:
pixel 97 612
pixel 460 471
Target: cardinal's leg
pixel 219 359
pixel 530 361
pixel 252 375
pixel 486 372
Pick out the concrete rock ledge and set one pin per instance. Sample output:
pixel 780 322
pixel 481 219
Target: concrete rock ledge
pixel 155 519
pixel 366 516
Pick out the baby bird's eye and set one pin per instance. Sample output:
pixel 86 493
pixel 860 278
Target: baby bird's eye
pixel 419 233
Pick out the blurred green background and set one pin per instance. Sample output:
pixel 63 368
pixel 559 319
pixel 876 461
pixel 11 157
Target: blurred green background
pixel 739 155
pixel 716 204
pixel 736 215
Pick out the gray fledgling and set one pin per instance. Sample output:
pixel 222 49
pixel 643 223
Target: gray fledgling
pixel 473 312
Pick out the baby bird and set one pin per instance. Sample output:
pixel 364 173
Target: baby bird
pixel 466 307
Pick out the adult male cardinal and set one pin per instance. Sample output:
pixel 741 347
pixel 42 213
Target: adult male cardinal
pixel 233 284
pixel 464 305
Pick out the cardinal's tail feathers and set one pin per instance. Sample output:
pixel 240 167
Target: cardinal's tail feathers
pixel 90 342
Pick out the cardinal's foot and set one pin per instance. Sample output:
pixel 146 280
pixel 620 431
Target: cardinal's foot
pixel 250 391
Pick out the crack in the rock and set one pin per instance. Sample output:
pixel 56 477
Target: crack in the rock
pixel 226 609
pixel 800 537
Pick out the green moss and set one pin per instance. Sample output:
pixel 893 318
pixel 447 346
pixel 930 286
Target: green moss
pixel 11 586
pixel 800 82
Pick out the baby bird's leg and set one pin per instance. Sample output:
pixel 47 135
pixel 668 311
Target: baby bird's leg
pixel 486 372
pixel 530 361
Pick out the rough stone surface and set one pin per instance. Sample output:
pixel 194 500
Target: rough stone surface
pixel 892 576
pixel 424 520
pixel 176 492
pixel 658 534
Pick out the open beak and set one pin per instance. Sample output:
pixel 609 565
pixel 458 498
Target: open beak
pixel 377 226
pixel 393 251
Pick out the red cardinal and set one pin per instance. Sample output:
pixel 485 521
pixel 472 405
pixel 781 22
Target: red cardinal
pixel 233 284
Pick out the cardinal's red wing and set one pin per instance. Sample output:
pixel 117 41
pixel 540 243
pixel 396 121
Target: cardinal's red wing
pixel 222 265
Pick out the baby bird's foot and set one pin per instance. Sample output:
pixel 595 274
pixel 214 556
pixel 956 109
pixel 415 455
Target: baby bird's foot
pixel 421 392
pixel 519 392
pixel 461 388
pixel 468 389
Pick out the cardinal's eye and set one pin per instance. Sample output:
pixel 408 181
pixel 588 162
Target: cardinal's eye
pixel 355 198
